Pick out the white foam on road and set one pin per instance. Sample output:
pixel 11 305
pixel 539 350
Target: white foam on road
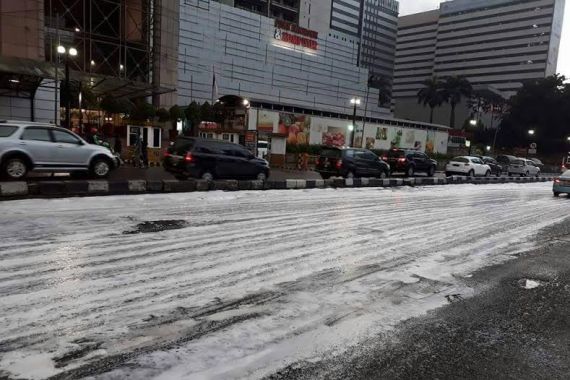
pixel 256 281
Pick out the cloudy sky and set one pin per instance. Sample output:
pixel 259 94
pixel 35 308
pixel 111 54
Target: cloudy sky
pixel 412 6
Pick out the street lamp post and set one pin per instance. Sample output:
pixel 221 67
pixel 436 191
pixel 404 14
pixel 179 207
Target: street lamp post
pixel 355 102
pixel 71 52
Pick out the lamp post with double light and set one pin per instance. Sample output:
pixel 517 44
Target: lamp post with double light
pixel 355 103
pixel 67 53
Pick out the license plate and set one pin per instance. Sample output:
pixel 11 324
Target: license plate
pixel 455 164
pixel 327 164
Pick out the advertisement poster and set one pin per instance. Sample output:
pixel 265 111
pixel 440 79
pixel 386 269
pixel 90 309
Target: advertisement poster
pixel 296 126
pixel 266 120
pixel 334 136
pixel 382 134
pixel 430 142
pixel 396 141
pixel 370 142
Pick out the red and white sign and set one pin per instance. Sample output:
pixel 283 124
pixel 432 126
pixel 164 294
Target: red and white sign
pixel 208 125
pixel 295 35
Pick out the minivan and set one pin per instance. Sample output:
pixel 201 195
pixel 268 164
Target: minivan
pixel 212 159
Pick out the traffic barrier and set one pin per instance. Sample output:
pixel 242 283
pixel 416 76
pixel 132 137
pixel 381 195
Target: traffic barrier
pixel 13 189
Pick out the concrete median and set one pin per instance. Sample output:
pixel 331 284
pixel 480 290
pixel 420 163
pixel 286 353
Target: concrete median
pixel 59 189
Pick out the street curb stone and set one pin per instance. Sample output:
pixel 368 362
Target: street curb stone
pixel 10 189
pixel 137 186
pixel 118 187
pixel 77 187
pixel 52 188
pixel 98 187
pixel 154 186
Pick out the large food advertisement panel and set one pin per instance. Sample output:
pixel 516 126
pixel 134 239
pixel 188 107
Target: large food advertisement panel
pixel 329 132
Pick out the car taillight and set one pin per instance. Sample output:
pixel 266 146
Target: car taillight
pixel 556 180
pixel 401 160
pixel 188 157
pixel 339 164
pixel 384 158
pixel 318 161
pixel 167 154
pixel 466 164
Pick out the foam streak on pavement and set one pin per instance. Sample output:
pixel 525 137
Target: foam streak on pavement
pixel 249 282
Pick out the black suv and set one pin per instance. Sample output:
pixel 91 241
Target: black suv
pixel 212 159
pixel 410 162
pixel 350 163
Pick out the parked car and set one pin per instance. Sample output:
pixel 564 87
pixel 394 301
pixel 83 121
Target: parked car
pixel 410 162
pixel 350 163
pixel 562 184
pixel 538 163
pixel 467 165
pixel 496 168
pixel 524 167
pixel 505 161
pixel 212 159
pixel 29 146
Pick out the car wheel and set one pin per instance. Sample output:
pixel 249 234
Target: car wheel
pixel 350 175
pixel 100 168
pixel 431 171
pixel 15 168
pixel 384 175
pixel 537 174
pixel 527 174
pixel 488 174
pixel 448 174
pixel 261 177
pixel 471 173
pixel 207 176
pixel 556 194
pixel 410 171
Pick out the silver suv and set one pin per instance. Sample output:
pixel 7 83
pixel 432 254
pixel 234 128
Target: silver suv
pixel 27 146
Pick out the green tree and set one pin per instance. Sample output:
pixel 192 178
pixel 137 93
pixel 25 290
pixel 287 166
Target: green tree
pixel 142 111
pixel 176 113
pixel 193 118
pixel 431 95
pixel 163 115
pixel 455 89
pixel 544 106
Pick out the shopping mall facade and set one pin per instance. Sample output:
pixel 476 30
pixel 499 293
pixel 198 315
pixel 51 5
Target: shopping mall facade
pixel 298 83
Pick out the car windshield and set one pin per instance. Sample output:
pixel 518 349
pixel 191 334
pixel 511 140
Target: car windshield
pixel 460 159
pixel 518 162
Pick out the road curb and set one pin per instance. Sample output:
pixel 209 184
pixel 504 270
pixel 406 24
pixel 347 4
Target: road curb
pixel 60 189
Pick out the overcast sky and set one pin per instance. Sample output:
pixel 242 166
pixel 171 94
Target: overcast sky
pixel 412 6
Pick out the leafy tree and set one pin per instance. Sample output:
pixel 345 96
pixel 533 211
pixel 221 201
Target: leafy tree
pixel 163 115
pixel 193 118
pixel 455 89
pixel 544 106
pixel 431 95
pixel 142 111
pixel 176 113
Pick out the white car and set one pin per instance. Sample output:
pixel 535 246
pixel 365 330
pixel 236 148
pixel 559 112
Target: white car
pixel 467 165
pixel 27 146
pixel 524 167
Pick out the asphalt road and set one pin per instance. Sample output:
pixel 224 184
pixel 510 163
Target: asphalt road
pixel 257 284
pixel 516 327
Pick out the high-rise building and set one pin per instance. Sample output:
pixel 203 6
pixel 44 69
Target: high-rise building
pixel 495 43
pixel 371 25
pixel 287 10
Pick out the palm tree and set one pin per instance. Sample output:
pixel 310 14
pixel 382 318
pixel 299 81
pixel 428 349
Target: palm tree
pixel 431 95
pixel 455 88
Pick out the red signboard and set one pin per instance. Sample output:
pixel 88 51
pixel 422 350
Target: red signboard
pixel 294 34
pixel 208 125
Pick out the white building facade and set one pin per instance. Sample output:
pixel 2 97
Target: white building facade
pixel 496 43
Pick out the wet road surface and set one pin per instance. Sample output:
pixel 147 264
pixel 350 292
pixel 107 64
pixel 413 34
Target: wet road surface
pixel 242 285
